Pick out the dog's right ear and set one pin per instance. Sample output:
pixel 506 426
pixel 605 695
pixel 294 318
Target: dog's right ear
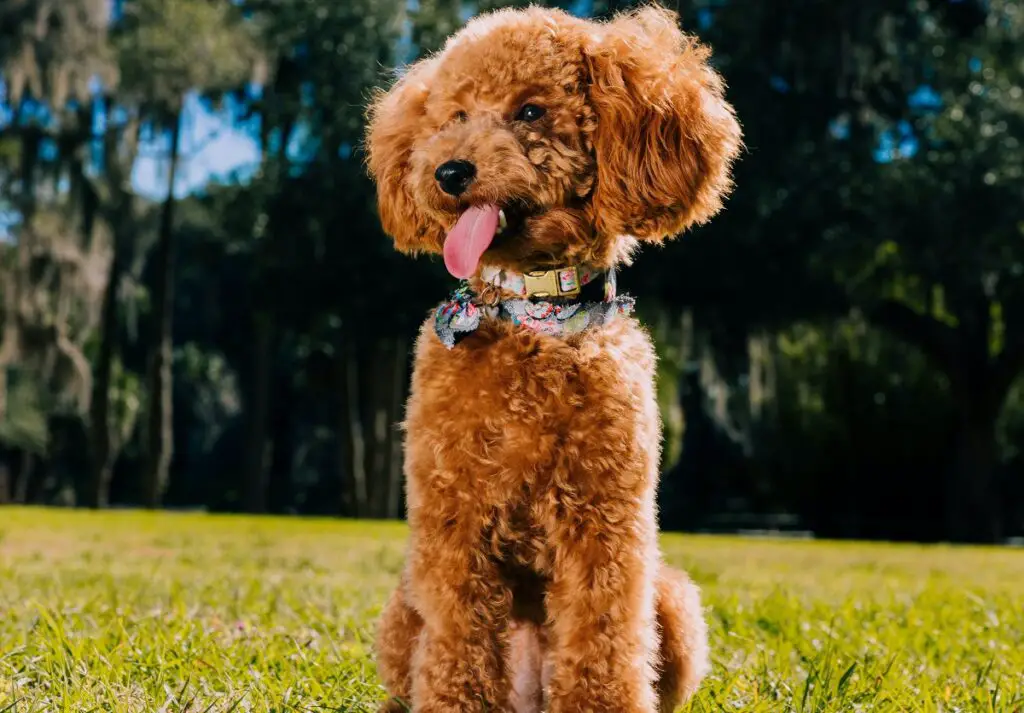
pixel 394 118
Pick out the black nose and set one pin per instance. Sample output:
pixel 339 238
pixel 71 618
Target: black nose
pixel 455 176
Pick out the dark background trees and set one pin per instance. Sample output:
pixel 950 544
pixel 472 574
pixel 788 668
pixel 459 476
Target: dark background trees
pixel 840 348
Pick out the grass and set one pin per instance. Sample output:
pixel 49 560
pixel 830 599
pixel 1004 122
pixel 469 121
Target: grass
pixel 159 612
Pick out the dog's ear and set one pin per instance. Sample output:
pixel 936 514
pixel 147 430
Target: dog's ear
pixel 665 138
pixel 394 119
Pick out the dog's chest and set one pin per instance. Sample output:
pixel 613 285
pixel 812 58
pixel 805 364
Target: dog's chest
pixel 507 423
pixel 498 405
pixel 497 409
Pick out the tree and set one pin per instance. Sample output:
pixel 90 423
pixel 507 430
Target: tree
pixel 111 197
pixel 49 53
pixel 949 265
pixel 166 51
pixel 883 178
pixel 309 212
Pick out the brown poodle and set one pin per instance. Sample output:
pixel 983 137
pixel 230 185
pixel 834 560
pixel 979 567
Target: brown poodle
pixel 535 151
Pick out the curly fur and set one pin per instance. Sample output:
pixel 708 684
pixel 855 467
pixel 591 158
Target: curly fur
pixel 533 579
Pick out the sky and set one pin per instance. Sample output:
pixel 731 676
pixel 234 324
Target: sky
pixel 212 148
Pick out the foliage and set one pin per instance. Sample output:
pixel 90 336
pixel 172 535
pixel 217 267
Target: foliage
pixel 882 182
pixel 133 612
pixel 168 49
pixel 51 51
pixel 24 427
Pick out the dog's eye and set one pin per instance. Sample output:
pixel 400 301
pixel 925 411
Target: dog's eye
pixel 460 116
pixel 530 112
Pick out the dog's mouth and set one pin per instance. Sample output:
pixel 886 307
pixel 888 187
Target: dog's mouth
pixel 476 230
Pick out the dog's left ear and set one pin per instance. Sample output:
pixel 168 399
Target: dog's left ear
pixel 665 138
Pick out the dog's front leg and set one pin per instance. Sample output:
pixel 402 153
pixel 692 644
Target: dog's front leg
pixel 601 606
pixel 459 662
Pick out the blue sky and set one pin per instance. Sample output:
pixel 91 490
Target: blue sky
pixel 212 148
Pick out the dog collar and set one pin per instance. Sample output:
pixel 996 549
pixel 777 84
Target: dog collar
pixel 559 282
pixel 558 302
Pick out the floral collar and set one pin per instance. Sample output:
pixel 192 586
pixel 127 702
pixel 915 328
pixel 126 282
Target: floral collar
pixel 558 302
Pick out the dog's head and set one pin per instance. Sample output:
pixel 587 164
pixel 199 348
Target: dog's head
pixel 536 139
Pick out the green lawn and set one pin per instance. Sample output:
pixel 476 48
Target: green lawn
pixel 141 612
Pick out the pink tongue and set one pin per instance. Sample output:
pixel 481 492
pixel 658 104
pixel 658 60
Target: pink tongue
pixel 469 239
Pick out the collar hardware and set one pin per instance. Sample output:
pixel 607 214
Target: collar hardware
pixel 561 282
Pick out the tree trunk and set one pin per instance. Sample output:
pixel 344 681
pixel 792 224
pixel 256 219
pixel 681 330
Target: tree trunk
pixel 282 450
pixel 395 464
pixel 352 439
pixel 3 379
pixel 254 488
pixel 8 338
pixel 972 509
pixel 101 436
pixel 980 385
pixel 24 478
pixel 16 281
pixel 377 413
pixel 6 495
pixel 343 435
pixel 105 440
pixel 160 433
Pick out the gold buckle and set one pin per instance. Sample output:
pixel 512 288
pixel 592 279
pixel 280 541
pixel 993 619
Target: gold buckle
pixel 563 282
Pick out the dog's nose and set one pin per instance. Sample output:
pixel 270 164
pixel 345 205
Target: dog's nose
pixel 455 176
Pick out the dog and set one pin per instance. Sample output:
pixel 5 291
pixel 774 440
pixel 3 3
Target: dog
pixel 535 152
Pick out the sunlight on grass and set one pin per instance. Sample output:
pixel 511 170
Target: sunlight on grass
pixel 156 612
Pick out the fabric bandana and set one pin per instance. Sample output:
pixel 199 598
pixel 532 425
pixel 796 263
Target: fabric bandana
pixel 558 317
